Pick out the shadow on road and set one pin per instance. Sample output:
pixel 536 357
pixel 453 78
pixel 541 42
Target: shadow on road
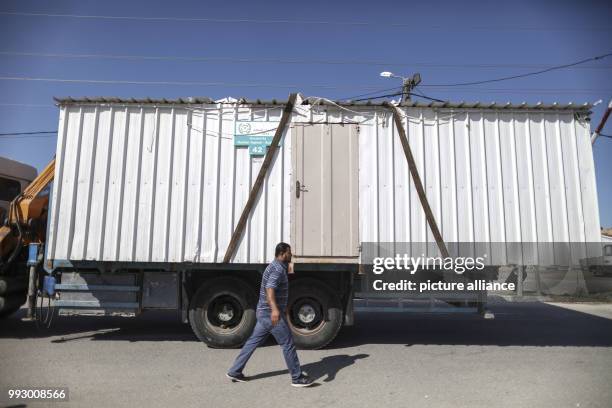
pixel 328 367
pixel 150 326
pixel 516 324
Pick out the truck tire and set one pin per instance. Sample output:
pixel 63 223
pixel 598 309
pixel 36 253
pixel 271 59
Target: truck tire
pixel 222 312
pixel 10 304
pixel 10 284
pixel 314 313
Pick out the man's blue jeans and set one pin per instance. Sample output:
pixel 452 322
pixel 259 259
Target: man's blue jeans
pixel 281 333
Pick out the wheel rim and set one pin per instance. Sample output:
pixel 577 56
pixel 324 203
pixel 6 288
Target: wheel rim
pixel 224 313
pixel 306 316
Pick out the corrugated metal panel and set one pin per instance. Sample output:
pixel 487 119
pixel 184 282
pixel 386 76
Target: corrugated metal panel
pixel 321 101
pixel 490 176
pixel 163 182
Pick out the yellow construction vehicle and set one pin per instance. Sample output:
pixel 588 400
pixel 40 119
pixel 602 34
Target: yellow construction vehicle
pixel 25 224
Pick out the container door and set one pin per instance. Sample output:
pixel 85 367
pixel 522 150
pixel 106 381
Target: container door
pixel 325 197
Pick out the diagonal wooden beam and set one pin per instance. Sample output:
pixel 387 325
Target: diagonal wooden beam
pixel 418 184
pixel 246 211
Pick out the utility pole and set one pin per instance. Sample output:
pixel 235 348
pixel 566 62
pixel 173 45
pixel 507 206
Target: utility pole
pixel 408 85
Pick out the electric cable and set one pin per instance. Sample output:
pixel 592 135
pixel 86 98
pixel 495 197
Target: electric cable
pixel 399 94
pixel 28 133
pixel 272 85
pixel 370 93
pixel 384 24
pixel 556 67
pixel 300 61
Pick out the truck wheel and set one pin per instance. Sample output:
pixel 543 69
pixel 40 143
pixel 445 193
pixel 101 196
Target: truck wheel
pixel 10 304
pixel 314 314
pixel 10 284
pixel 222 312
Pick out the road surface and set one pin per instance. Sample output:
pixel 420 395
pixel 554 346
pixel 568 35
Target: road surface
pixel 532 354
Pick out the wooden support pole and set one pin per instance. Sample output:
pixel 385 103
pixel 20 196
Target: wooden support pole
pixel 418 184
pixel 604 119
pixel 237 234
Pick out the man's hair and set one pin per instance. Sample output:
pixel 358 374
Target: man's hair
pixel 281 248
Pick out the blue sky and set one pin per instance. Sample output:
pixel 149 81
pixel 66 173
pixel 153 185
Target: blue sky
pixel 446 41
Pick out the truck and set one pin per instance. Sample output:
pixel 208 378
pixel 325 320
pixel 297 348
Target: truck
pixel 14 178
pixel 15 182
pixel 178 204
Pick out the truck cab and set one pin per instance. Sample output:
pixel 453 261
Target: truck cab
pixel 14 178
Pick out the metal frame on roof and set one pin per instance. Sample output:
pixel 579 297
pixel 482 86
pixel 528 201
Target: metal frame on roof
pixel 275 102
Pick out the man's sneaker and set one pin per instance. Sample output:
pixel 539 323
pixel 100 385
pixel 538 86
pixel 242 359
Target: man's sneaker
pixel 236 377
pixel 302 381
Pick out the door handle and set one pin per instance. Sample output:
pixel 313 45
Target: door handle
pixel 299 187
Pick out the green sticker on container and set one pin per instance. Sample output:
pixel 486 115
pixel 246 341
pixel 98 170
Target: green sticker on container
pixel 256 135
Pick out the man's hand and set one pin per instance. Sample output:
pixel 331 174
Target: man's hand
pixel 275 316
pixel 272 302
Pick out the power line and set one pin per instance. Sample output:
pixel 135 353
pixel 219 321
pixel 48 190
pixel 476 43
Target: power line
pixel 276 60
pixel 398 88
pixel 28 133
pixel 174 83
pixel 331 23
pixel 576 91
pixel 505 78
pixel 26 137
pixel 599 57
pixel 29 105
pixel 378 97
pixel 420 95
pixel 286 86
pixel 371 93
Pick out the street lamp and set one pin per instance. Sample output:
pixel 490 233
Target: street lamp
pixel 408 84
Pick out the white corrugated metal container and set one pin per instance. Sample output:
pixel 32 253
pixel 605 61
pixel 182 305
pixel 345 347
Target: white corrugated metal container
pixel 162 181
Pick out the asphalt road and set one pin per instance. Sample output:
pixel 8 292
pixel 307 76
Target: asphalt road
pixel 531 355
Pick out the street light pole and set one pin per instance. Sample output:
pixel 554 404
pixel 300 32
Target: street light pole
pixel 406 88
pixel 408 84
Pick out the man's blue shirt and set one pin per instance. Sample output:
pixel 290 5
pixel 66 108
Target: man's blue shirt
pixel 275 276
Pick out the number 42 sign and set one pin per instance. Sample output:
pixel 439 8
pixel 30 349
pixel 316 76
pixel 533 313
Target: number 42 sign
pixel 256 135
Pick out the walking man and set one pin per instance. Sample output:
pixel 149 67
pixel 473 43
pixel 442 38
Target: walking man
pixel 271 309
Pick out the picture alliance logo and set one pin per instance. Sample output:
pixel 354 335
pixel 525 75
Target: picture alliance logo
pixel 412 264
